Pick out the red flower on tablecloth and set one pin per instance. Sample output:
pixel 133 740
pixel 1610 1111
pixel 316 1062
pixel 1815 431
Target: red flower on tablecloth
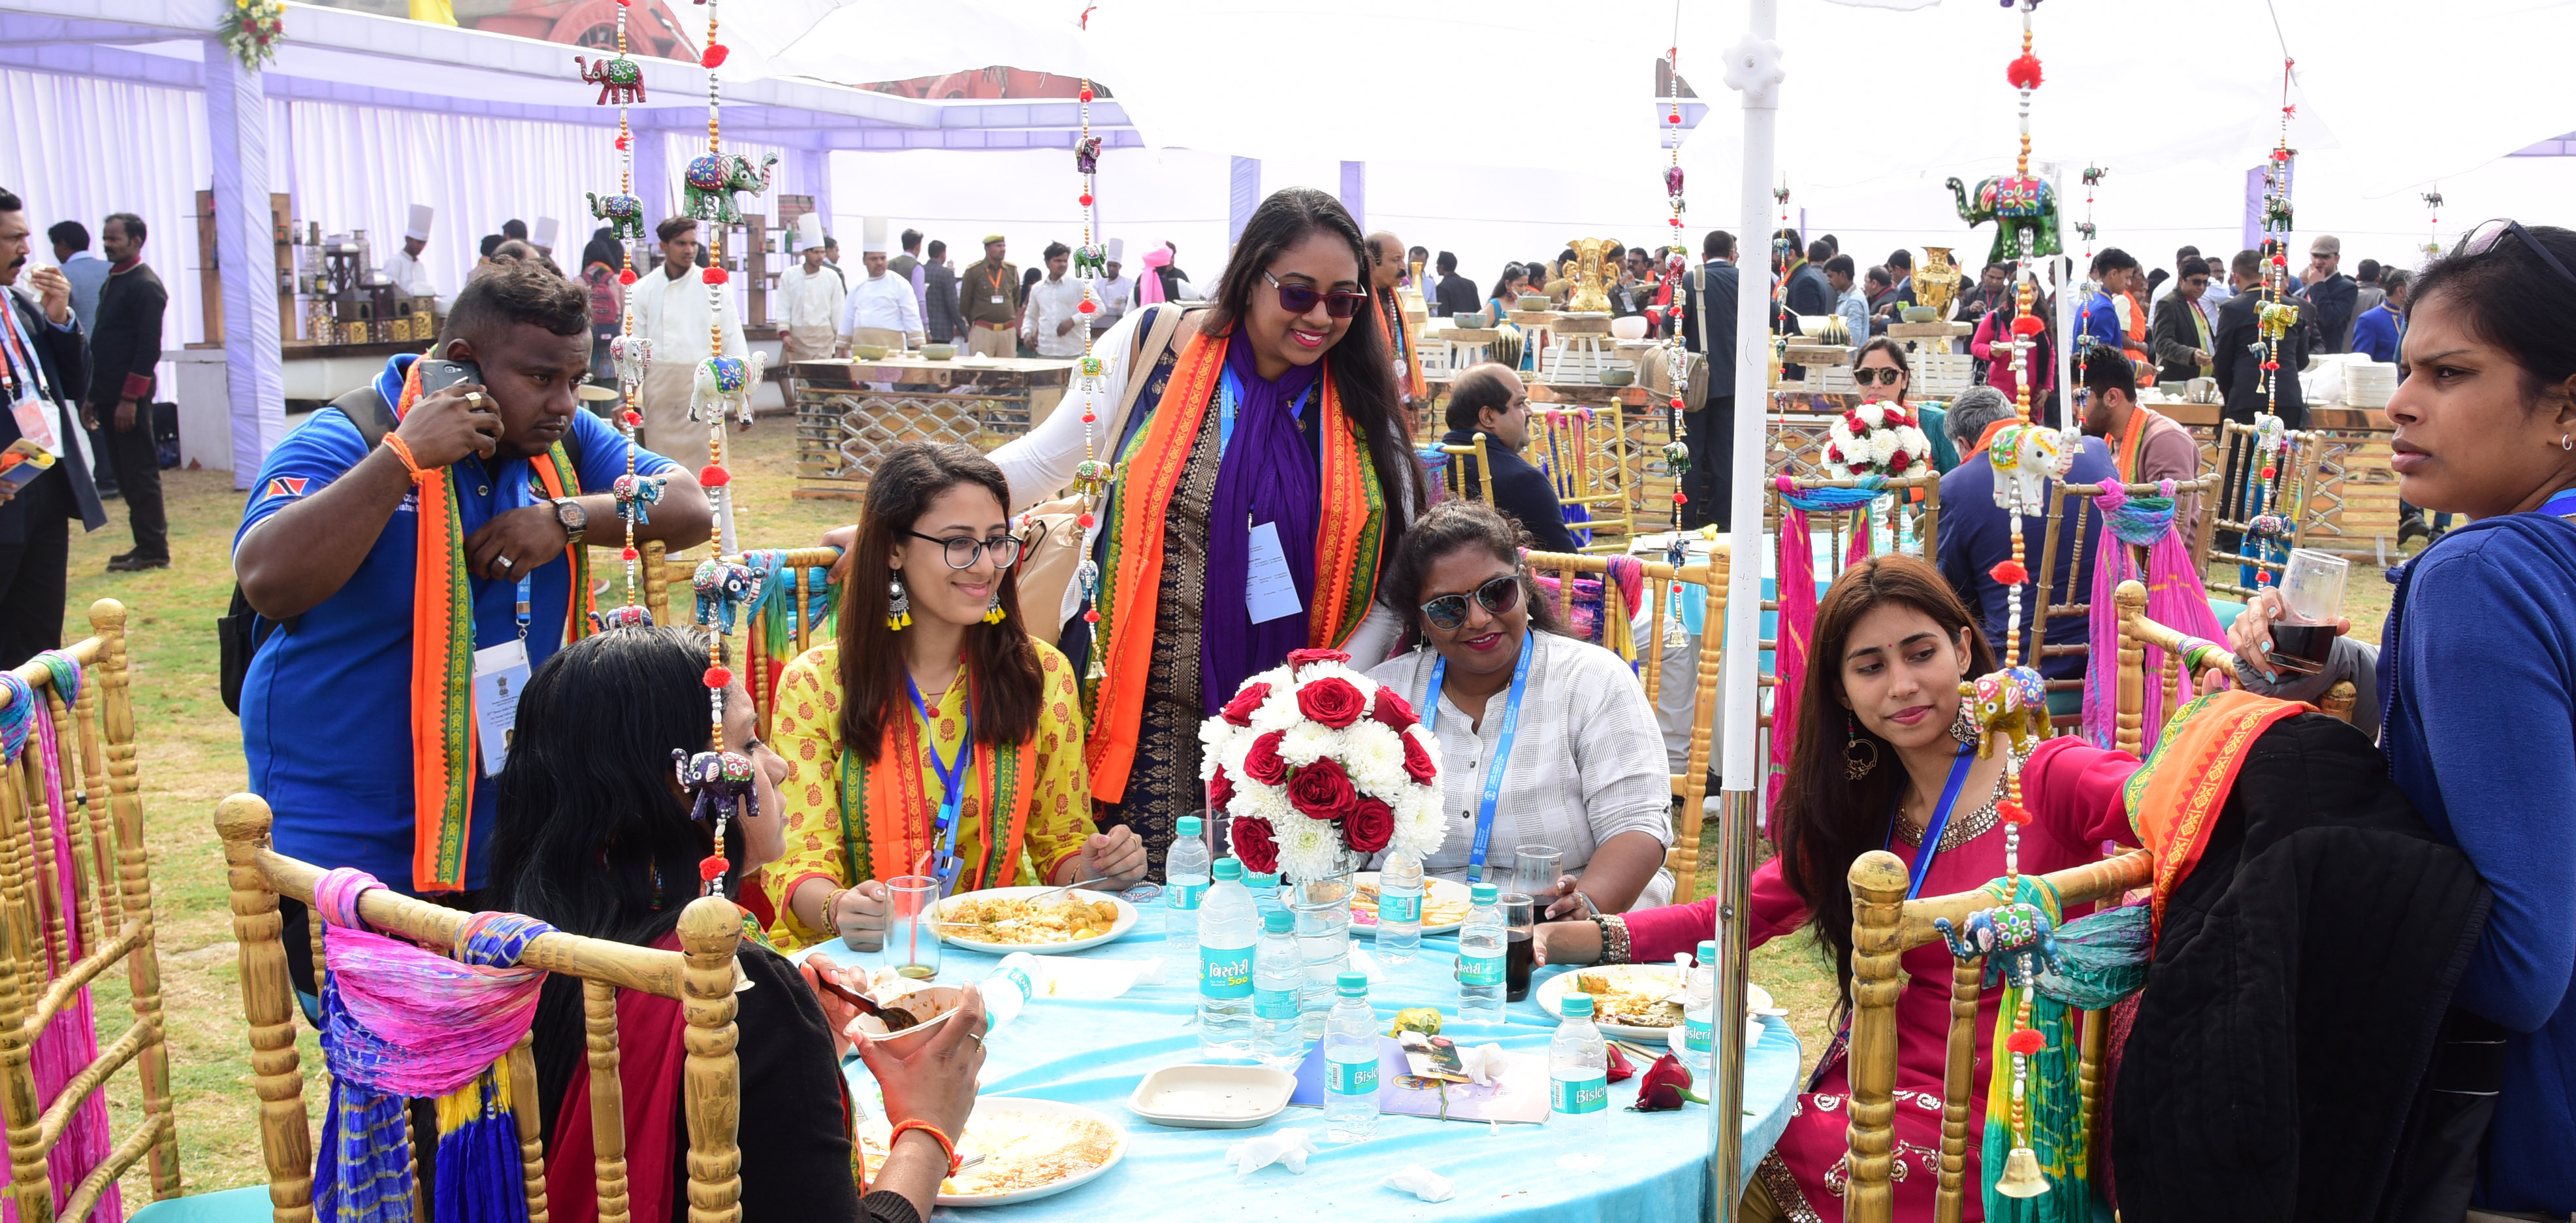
pixel 1333 701
pixel 1255 844
pixel 1369 826
pixel 1220 791
pixel 1664 1086
pixel 1418 764
pixel 1238 711
pixel 1621 1069
pixel 1263 763
pixel 1392 711
pixel 1323 791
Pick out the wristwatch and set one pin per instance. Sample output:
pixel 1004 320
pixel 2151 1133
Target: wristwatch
pixel 573 517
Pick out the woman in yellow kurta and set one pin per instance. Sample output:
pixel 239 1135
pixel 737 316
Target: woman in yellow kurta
pixel 972 768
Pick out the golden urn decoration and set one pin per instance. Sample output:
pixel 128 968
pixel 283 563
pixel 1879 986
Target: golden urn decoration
pixel 1936 283
pixel 1591 272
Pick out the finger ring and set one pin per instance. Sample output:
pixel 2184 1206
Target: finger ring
pixel 977 1037
pixel 474 400
pixel 503 562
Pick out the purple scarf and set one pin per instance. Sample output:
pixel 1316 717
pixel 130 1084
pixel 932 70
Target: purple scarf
pixel 1268 475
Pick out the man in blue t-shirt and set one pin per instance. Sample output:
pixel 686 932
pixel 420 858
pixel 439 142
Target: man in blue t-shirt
pixel 327 545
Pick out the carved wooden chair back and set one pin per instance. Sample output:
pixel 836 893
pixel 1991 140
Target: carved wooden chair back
pixel 2176 651
pixel 75 901
pixel 2071 511
pixel 700 976
pixel 2241 466
pixel 1464 475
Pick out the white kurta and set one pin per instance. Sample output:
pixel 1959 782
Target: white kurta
pixel 1052 303
pixel 676 316
pixel 408 275
pixel 883 302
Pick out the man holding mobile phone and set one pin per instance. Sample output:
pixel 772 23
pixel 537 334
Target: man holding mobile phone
pixel 390 557
pixel 41 377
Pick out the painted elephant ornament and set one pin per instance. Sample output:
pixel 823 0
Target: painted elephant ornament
pixel 2024 206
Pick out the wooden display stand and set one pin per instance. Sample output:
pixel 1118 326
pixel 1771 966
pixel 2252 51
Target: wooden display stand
pixel 848 413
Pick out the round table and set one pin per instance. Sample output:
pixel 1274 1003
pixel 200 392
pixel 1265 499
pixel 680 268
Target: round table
pixel 1094 1053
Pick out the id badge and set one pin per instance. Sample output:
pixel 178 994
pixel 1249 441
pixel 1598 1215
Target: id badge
pixel 1269 590
pixel 500 674
pixel 997 299
pixel 35 420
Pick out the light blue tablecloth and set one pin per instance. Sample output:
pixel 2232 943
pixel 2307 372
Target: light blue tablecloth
pixel 1094 1053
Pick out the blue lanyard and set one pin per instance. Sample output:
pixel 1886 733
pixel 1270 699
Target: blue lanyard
pixel 1502 757
pixel 952 788
pixel 1939 823
pixel 528 573
pixel 2560 504
pixel 1228 391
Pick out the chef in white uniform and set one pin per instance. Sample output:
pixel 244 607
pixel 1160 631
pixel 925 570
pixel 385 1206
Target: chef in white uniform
pixel 1113 291
pixel 671 309
pixel 810 292
pixel 542 235
pixel 403 266
pixel 881 308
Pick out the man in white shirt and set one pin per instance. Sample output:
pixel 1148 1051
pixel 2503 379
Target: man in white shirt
pixel 1054 325
pixel 880 309
pixel 403 266
pixel 672 311
pixel 810 294
pixel 1113 291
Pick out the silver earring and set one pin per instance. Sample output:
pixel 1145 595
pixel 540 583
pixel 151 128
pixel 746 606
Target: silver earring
pixel 1964 727
pixel 898 603
pixel 2567 441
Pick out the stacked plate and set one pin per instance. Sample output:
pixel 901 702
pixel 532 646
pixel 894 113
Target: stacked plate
pixel 2368 384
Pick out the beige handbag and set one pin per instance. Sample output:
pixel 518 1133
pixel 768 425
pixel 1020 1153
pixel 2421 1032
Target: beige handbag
pixel 1055 541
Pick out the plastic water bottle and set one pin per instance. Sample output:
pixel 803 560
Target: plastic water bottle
pixel 1228 930
pixel 1699 1009
pixel 1009 989
pixel 1185 885
pixel 1578 1086
pixel 1399 909
pixel 1278 976
pixel 1480 957
pixel 1350 1065
pixel 1265 893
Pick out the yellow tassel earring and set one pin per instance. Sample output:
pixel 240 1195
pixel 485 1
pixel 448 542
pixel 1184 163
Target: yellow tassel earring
pixel 898 604
pixel 993 610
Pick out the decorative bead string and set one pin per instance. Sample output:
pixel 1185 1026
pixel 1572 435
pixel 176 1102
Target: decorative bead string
pixel 1677 456
pixel 2276 314
pixel 2092 178
pixel 2433 231
pixel 1092 476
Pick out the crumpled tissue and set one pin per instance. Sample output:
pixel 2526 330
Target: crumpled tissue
pixel 1484 1063
pixel 1419 1181
pixel 1288 1148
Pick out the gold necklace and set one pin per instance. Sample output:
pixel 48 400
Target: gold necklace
pixel 1958 832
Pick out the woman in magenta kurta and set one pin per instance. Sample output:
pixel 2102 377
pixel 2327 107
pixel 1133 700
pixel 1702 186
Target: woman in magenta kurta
pixel 1876 754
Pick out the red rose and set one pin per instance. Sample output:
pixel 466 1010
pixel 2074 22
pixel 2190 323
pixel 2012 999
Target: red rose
pixel 1417 762
pixel 1370 826
pixel 1898 462
pixel 1299 658
pixel 1621 1069
pixel 1393 711
pixel 1262 763
pixel 1220 790
pixel 1664 1086
pixel 1322 791
pixel 1239 710
pixel 1333 701
pixel 1255 844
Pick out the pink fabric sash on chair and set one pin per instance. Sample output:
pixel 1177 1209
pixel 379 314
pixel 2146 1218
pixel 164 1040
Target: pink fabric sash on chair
pixel 2175 599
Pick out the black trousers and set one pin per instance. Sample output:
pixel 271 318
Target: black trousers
pixel 1710 482
pixel 33 571
pixel 138 479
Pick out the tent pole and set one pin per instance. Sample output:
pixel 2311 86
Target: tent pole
pixel 1742 665
pixel 246 248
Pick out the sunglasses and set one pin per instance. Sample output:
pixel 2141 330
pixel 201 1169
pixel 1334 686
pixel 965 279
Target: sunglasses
pixel 961 550
pixel 1499 596
pixel 1881 375
pixel 1301 298
pixel 2484 239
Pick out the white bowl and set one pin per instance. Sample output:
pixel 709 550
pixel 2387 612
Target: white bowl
pixel 1629 327
pixel 941 999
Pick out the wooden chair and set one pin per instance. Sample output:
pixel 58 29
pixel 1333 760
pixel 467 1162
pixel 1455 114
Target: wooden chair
pixel 669 594
pixel 1456 478
pixel 1885 925
pixel 1841 524
pixel 1691 784
pixel 1597 472
pixel 2071 509
pixel 108 906
pixel 700 977
pixel 2177 651
pixel 2239 464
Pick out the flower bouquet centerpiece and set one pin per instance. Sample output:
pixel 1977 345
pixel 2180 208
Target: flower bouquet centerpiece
pixel 1320 767
pixel 1877 439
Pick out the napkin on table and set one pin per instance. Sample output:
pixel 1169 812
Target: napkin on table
pixel 1483 1063
pixel 1419 1181
pixel 1288 1148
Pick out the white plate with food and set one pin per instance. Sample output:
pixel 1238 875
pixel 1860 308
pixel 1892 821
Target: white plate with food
pixel 1031 1149
pixel 1002 920
pixel 1444 905
pixel 1631 1001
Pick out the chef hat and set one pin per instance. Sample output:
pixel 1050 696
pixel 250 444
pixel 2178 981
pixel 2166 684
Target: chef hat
pixel 418 226
pixel 544 232
pixel 1117 250
pixel 872 238
pixel 809 231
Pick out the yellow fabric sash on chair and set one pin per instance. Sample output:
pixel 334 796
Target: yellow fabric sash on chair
pixel 2175 797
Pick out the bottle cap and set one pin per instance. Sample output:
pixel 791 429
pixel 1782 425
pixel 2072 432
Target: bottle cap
pixel 1355 985
pixel 1229 868
pixel 1188 825
pixel 1575 1006
pixel 1707 953
pixel 1484 893
pixel 1278 921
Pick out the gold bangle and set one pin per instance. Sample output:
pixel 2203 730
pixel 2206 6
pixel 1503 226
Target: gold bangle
pixel 831 899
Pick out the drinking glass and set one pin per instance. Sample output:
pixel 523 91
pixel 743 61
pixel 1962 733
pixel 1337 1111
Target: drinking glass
pixel 1535 869
pixel 1519 928
pixel 2311 600
pixel 912 929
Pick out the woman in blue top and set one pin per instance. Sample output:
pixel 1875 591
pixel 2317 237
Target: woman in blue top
pixel 2475 676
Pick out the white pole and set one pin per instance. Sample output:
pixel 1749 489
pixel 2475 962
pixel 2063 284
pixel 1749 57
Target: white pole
pixel 1753 69
pixel 237 123
pixel 2069 277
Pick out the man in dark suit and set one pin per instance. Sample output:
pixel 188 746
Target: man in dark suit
pixel 1708 330
pixel 1808 292
pixel 124 346
pixel 40 352
pixel 1455 294
pixel 2183 332
pixel 2333 294
pixel 1490 399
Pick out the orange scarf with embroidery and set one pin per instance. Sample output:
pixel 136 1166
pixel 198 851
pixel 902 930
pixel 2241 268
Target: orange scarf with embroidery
pixel 2175 797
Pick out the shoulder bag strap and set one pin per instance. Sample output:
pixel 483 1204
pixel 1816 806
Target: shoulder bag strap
pixel 1156 340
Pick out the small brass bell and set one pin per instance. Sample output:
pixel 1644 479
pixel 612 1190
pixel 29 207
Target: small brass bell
pixel 2021 1178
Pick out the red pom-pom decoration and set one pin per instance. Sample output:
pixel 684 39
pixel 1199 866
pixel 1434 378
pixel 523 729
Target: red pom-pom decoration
pixel 2028 324
pixel 627 554
pixel 1086 307
pixel 2010 573
pixel 1086 93
pixel 719 677
pixel 1088 418
pixel 2027 1041
pixel 1085 199
pixel 2280 261
pixel 634 417
pixel 1680 499
pixel 2023 72
pixel 1085 520
pixel 2012 812
pixel 712 476
pixel 1092 616
pixel 1673 118
pixel 2269 470
pixel 714 57
pixel 712 867
pixel 626 276
pixel 1677 403
pixel 714 275
pixel 621 144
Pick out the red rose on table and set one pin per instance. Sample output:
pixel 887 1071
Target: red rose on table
pixel 1417 762
pixel 1664 1086
pixel 1333 701
pixel 1393 711
pixel 1322 791
pixel 1220 790
pixel 1370 826
pixel 1263 763
pixel 1621 1069
pixel 1255 845
pixel 1299 658
pixel 1239 710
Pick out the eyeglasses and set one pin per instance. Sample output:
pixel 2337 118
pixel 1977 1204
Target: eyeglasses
pixel 1883 375
pixel 1498 597
pixel 961 550
pixel 1301 298
pixel 2484 239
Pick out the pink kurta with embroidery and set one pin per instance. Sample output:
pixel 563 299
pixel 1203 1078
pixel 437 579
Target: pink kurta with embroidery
pixel 2073 791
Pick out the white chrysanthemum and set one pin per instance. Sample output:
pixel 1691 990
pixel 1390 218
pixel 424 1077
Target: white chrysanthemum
pixel 1278 712
pixel 1308 849
pixel 1374 755
pixel 1308 742
pixel 1262 802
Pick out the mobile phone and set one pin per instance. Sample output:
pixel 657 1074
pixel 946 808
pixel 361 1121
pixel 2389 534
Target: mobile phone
pixel 437 374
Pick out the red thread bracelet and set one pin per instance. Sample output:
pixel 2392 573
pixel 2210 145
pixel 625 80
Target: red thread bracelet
pixel 926 1128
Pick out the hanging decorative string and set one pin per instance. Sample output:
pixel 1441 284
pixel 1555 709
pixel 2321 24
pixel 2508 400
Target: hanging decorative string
pixel 1677 456
pixel 2433 230
pixel 620 79
pixel 2092 179
pixel 1091 476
